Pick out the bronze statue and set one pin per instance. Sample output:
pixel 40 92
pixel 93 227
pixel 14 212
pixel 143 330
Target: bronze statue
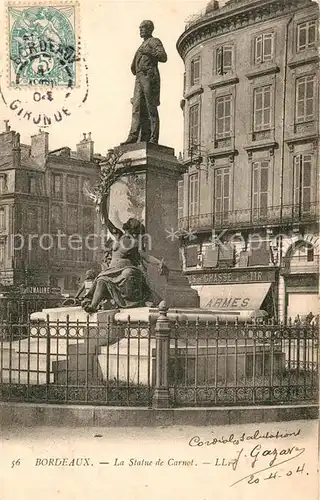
pixel 146 98
pixel 124 283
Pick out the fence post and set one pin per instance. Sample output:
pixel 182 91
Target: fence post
pixel 161 393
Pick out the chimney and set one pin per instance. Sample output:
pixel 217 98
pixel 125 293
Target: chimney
pixel 10 144
pixel 40 145
pixel 85 147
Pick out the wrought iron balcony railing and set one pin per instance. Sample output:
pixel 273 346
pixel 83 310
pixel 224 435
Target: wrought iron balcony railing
pixel 247 218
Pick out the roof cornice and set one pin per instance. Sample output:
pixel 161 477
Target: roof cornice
pixel 226 21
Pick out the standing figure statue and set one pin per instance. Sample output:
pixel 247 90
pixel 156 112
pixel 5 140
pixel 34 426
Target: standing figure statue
pixel 146 98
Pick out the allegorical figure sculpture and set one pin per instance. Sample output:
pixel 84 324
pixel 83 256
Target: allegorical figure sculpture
pixel 146 98
pixel 124 283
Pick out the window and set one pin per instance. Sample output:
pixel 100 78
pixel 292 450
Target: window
pixel 224 59
pixel 56 218
pixel 263 48
pixel 193 194
pixel 195 71
pixel 262 109
pixel 32 219
pixel 306 36
pixel 2 219
pixel 3 183
pixel 88 220
pixel 310 254
pixel 71 282
pixel 180 198
pixel 305 93
pixel 32 185
pixel 222 194
pixel 72 220
pixel 260 184
pixel 72 189
pixel 88 249
pixel 56 187
pixel 223 116
pixel 302 182
pixel 2 252
pixel 194 127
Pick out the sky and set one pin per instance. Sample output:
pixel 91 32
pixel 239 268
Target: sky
pixel 109 37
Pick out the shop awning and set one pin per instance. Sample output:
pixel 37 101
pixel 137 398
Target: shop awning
pixel 233 296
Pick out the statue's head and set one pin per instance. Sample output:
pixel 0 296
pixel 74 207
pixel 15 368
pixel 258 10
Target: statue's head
pixel 146 29
pixel 134 227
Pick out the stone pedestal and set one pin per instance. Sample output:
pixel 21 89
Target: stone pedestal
pixel 149 192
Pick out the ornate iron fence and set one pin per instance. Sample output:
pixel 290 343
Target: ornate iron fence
pixel 243 364
pixel 166 362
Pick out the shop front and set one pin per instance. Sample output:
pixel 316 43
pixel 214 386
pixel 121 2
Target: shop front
pixel 236 290
pixel 301 295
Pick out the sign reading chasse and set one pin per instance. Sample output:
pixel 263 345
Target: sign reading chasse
pixel 234 276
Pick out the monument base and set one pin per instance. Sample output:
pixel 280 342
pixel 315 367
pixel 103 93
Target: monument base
pixel 148 191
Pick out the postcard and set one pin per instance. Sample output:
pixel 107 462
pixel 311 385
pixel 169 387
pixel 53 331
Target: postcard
pixel 159 249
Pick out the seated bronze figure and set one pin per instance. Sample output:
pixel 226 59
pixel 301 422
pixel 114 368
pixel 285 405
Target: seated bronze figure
pixel 124 283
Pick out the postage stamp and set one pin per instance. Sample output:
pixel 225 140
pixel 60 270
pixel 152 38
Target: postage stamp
pixel 43 44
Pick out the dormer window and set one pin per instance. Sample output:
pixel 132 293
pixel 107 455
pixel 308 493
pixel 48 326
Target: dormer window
pixel 263 48
pixel 195 71
pixel 306 36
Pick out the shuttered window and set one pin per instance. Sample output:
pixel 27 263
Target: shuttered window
pixel 262 108
pixel 224 59
pixel 194 127
pixel 180 199
pixel 305 94
pixel 223 116
pixel 263 48
pixel 302 182
pixel 195 71
pixel 260 185
pixel 193 194
pixel 306 35
pixel 222 193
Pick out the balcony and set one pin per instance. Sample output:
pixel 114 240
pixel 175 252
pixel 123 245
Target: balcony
pixel 248 218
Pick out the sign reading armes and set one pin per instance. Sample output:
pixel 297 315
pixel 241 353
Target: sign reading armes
pixel 234 276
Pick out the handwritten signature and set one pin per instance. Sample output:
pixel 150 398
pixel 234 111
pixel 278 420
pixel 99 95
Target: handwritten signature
pixel 258 452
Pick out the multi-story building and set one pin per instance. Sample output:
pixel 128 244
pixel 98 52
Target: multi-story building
pixel 249 197
pixel 46 219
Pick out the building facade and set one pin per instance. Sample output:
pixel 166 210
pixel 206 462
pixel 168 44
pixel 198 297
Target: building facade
pixel 46 219
pixel 248 205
